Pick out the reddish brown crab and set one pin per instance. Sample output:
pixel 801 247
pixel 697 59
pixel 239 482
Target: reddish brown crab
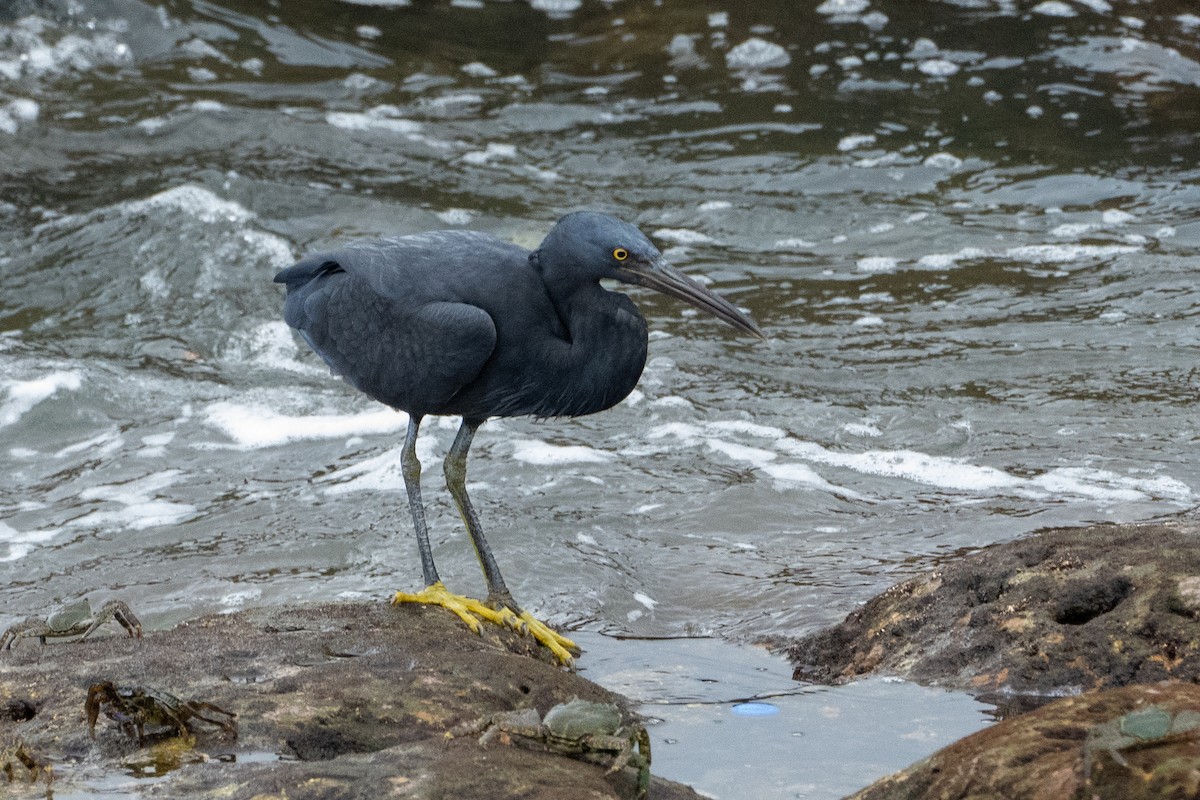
pixel 135 707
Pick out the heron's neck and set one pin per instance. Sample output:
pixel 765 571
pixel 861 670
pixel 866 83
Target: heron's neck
pixel 605 343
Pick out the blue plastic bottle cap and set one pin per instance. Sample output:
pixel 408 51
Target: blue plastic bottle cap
pixel 755 709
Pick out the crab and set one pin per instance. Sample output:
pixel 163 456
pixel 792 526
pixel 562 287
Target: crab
pixel 592 731
pixel 73 619
pixel 135 707
pixel 1141 729
pixel 14 752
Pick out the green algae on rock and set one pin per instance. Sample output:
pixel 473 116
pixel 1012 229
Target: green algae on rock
pixel 1133 743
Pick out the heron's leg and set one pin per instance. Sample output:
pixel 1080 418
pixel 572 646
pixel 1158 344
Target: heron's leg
pixel 455 467
pixel 498 594
pixel 435 592
pixel 411 468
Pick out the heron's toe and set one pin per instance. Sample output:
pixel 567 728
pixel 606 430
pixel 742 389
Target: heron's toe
pixel 562 647
pixel 471 611
pixel 468 609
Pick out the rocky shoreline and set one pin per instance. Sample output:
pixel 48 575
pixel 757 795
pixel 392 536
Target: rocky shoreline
pixel 1097 629
pixel 350 700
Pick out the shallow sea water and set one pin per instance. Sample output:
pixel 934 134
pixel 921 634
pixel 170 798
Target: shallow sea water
pixel 970 230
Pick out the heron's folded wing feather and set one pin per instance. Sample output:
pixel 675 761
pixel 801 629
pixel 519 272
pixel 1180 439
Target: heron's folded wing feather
pixel 407 351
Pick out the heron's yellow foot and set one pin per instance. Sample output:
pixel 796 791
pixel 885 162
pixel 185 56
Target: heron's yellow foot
pixel 468 609
pixel 562 647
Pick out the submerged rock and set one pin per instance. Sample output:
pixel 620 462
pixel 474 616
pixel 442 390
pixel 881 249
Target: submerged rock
pixel 1061 611
pixel 1135 743
pixel 332 701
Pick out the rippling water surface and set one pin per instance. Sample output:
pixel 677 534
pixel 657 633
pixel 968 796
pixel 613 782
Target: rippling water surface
pixel 971 230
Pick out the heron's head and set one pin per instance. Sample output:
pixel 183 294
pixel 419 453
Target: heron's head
pixel 591 246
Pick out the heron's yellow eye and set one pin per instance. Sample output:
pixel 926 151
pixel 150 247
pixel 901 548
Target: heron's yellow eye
pixel 620 254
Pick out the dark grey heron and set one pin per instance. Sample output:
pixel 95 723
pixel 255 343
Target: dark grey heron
pixel 462 323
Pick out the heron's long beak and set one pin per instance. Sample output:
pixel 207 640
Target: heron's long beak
pixel 662 277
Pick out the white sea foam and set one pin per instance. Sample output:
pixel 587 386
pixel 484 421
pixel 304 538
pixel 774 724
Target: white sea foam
pixel 556 8
pixel 271 345
pixel 1061 253
pixel 938 67
pixel 682 236
pixel 1072 230
pixel 861 429
pixel 943 161
pixel 141 505
pixel 454 99
pixel 1115 216
pixel 31 53
pixel 155 445
pixel 794 243
pixel 532 451
pixel 1029 254
pixel 876 264
pixel 455 216
pixel 477 69
pixel 749 428
pixel 16 112
pixel 947 473
pixel 253 426
pixel 874 20
pixel 235 600
pixel 493 150
pixel 959 475
pixel 646 600
pixel 381 473
pixel 102 444
pixel 21 543
pixel 22 396
pixel 379 118
pixel 804 475
pixel 840 7
pixel 193 200
pixel 856 141
pixel 755 54
pixel 764 460
pixel 687 433
pixel 740 452
pixel 1054 8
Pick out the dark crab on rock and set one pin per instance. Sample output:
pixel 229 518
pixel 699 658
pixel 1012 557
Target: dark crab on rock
pixel 17 758
pixel 135 707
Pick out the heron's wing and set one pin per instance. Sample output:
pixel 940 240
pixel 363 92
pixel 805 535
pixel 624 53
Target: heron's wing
pixel 391 327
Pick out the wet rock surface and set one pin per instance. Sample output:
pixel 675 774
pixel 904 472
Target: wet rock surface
pixel 332 701
pixel 1134 743
pixel 1063 610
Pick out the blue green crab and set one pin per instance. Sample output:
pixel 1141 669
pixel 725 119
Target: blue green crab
pixel 594 732
pixel 73 619
pixel 1141 729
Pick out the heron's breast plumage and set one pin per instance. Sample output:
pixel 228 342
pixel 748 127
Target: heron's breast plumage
pixel 458 323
